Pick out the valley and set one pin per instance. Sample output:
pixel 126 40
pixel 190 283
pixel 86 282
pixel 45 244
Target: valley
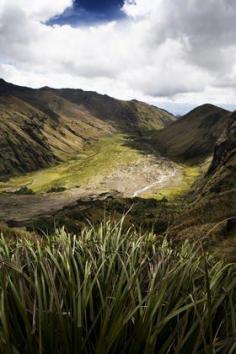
pixel 111 166
pixel 108 204
pixel 76 156
pixel 117 177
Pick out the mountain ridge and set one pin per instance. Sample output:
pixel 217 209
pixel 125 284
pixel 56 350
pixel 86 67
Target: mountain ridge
pixel 192 138
pixel 40 127
pixel 43 127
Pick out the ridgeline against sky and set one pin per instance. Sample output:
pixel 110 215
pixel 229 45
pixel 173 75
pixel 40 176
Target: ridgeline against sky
pixel 161 51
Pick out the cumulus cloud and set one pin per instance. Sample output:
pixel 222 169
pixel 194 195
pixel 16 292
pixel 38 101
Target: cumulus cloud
pixel 164 51
pixel 38 10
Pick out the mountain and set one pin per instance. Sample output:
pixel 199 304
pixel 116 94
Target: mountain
pixel 209 212
pixel 217 190
pixel 193 137
pixel 40 127
pixel 213 209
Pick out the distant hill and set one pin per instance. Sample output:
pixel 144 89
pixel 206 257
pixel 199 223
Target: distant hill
pixel 41 127
pixel 193 136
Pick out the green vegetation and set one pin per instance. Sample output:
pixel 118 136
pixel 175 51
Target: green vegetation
pixel 113 291
pixel 98 160
pixel 24 190
pixel 40 127
pixel 56 190
pixel 177 190
pixel 190 175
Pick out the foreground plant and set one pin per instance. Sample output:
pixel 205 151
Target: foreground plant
pixel 113 291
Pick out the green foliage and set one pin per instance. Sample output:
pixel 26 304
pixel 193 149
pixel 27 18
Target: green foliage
pixel 56 190
pixel 190 174
pixel 113 291
pixel 24 190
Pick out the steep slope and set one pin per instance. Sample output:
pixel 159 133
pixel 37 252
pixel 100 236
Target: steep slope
pixel 213 209
pixel 194 136
pixel 45 126
pixel 22 144
pixel 221 176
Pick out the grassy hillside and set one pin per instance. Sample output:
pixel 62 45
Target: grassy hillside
pixel 193 137
pixel 92 165
pixel 41 127
pixel 110 291
pixel 78 140
pixel 213 209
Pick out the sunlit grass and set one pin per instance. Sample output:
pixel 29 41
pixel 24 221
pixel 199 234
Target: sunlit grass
pixel 189 175
pixel 98 160
pixel 107 290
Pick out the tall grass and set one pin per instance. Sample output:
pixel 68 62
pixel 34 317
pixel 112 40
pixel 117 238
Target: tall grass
pixel 113 291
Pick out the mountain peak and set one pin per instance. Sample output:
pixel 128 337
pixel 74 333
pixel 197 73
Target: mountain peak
pixel 206 108
pixel 194 136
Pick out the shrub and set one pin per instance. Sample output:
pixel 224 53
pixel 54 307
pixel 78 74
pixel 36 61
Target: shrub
pixel 56 190
pixel 24 190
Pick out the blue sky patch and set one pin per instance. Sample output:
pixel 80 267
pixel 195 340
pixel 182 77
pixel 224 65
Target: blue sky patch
pixel 86 12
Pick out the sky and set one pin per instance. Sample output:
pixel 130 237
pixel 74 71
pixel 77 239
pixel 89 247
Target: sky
pixel 90 12
pixel 175 54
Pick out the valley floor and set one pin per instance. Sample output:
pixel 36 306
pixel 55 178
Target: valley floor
pixel 119 164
